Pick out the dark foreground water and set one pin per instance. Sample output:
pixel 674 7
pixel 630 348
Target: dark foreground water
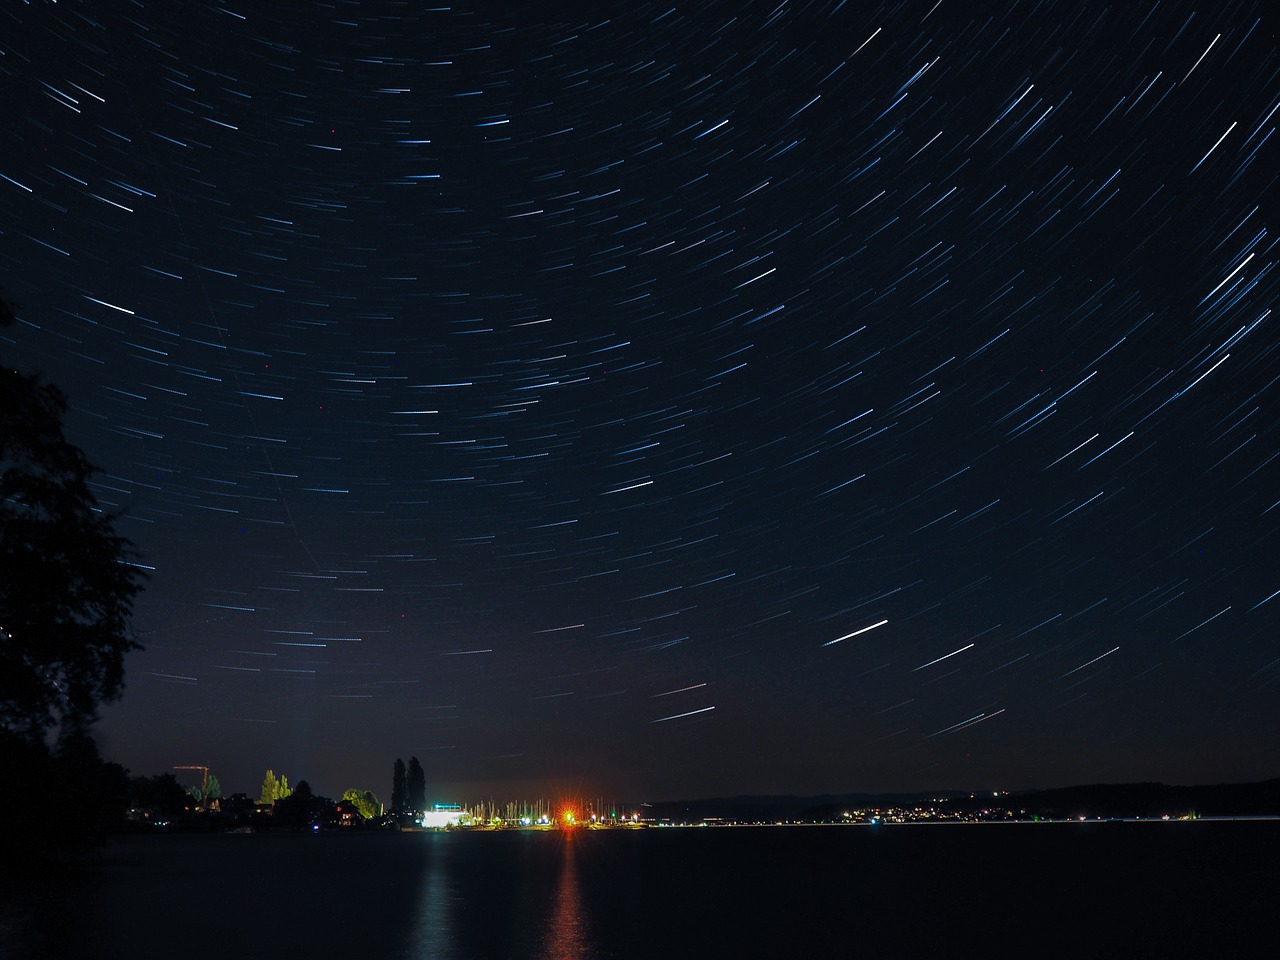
pixel 1203 889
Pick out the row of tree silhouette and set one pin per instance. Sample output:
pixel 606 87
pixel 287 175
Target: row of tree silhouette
pixel 67 585
pixel 277 793
pixel 408 789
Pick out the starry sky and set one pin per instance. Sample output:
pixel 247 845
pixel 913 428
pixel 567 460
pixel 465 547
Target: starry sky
pixel 662 400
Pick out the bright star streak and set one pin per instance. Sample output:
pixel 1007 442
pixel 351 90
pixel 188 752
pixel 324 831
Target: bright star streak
pixel 940 659
pixel 855 633
pixel 677 716
pixel 1090 663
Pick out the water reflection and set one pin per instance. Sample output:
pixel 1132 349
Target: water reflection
pixel 433 936
pixel 567 933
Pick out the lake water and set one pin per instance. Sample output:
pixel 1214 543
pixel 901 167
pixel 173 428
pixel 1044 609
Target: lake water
pixel 1197 889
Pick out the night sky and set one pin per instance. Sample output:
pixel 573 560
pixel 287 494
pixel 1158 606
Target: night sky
pixel 664 400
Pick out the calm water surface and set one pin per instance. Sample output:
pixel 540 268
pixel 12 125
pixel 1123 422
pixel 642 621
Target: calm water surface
pixel 1096 890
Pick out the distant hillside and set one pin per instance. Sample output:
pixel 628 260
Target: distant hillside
pixel 1094 800
pixel 1153 800
pixel 768 809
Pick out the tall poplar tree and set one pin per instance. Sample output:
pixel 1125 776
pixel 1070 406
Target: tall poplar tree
pixel 274 789
pixel 399 792
pixel 417 785
pixel 269 788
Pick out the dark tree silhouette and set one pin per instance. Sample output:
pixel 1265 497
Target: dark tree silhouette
pixel 399 792
pixel 303 808
pixel 161 796
pixel 66 592
pixel 417 785
pixel 66 581
pixel 297 809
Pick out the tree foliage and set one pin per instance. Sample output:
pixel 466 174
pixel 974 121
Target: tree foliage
pixel 274 789
pixel 399 792
pixel 303 808
pixel 417 785
pixel 214 789
pixel 268 794
pixel 66 579
pixel 364 801
pixel 55 801
pixel 160 794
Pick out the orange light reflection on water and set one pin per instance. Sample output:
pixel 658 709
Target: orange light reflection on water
pixel 568 934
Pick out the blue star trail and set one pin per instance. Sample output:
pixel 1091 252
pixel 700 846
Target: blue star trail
pixel 792 362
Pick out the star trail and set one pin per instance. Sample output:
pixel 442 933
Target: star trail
pixel 889 390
